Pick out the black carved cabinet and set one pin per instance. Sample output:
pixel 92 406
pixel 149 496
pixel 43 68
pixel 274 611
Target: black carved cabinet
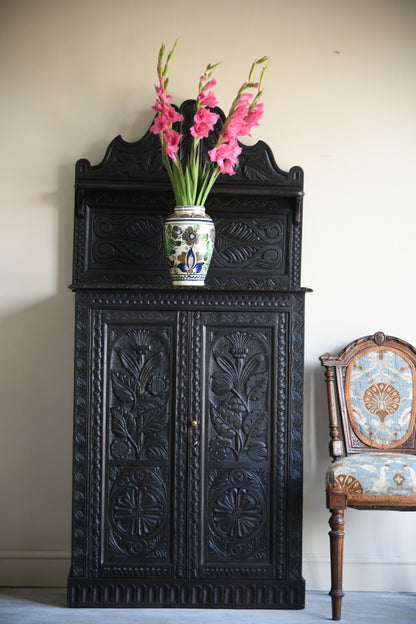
pixel 188 401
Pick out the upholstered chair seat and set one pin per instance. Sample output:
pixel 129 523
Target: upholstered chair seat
pixel 373 480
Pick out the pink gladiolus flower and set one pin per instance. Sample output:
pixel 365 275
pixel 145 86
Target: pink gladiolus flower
pixel 205 96
pixel 172 139
pixel 204 122
pixel 162 95
pixel 160 125
pixel 253 118
pixel 243 102
pixel 207 99
pixel 226 156
pixel 233 128
pixel 167 116
pixel 167 113
pixel 227 167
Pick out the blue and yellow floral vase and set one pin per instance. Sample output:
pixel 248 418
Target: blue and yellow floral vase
pixel 188 239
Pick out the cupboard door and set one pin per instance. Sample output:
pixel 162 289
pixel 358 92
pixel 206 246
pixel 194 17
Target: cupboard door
pixel 136 394
pixel 241 454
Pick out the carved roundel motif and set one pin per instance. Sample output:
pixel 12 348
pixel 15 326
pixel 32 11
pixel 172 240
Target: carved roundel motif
pixel 381 399
pixel 237 513
pixel 137 511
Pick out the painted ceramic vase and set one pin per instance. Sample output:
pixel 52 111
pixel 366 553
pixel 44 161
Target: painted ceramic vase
pixel 188 239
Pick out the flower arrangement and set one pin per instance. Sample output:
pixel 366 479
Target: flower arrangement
pixel 191 184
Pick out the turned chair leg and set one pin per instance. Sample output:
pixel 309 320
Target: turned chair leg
pixel 336 540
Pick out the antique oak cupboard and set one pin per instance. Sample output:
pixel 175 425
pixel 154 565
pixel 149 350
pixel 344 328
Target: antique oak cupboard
pixel 187 469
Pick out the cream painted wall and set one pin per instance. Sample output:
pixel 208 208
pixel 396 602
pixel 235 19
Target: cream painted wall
pixel 340 101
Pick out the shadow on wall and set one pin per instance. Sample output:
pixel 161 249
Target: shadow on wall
pixel 36 440
pixel 316 431
pixel 36 389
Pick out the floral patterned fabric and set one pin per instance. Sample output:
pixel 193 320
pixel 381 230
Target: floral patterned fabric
pixel 375 478
pixel 379 387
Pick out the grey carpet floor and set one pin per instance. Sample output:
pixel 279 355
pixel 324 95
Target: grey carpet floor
pixel 48 606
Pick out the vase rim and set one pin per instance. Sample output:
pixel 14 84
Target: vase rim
pixel 190 206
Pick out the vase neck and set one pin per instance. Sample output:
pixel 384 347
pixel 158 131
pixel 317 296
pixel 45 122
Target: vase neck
pixel 190 211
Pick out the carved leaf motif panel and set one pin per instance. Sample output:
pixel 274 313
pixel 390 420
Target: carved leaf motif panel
pixel 252 243
pixel 122 240
pixel 126 244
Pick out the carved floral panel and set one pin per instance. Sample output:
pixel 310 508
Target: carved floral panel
pixel 139 395
pixel 239 395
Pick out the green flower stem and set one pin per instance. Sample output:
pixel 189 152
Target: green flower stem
pixel 207 183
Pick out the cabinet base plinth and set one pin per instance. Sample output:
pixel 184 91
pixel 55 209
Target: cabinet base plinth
pixel 286 594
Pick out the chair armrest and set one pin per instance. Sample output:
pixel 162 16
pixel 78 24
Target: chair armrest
pixel 336 446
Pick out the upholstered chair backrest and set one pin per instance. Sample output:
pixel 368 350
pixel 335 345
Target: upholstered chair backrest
pixel 376 387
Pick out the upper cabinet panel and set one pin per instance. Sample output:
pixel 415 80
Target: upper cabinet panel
pixel 121 203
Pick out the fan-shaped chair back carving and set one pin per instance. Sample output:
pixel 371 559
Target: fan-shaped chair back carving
pixel 371 388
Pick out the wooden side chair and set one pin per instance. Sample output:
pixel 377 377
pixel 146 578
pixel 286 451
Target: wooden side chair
pixel 371 388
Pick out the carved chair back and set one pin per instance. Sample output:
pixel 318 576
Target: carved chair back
pixel 372 387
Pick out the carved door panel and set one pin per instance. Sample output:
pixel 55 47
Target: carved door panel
pixel 144 446
pixel 239 450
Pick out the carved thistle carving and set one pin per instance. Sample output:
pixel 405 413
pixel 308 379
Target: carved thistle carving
pixel 139 407
pixel 239 383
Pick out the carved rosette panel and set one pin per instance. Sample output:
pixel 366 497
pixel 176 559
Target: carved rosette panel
pixel 237 512
pixel 137 512
pixel 239 395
